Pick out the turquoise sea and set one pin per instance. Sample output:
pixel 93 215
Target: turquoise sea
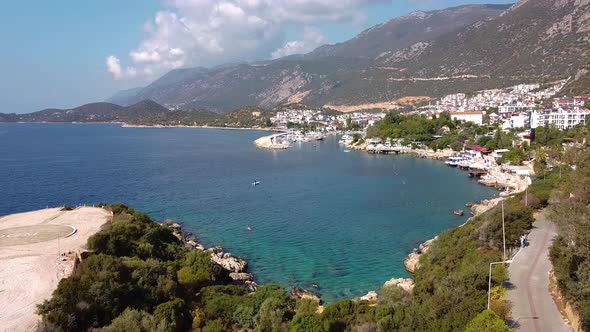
pixel 342 220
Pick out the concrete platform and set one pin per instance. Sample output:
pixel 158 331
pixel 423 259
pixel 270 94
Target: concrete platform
pixel 33 247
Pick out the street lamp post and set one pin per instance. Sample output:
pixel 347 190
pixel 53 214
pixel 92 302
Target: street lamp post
pixel 490 279
pixel 503 231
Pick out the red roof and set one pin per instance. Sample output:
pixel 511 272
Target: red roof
pixel 479 148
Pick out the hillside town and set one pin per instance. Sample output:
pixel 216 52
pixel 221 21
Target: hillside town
pixel 519 108
pixel 323 120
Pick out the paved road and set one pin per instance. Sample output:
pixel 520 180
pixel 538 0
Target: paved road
pixel 533 308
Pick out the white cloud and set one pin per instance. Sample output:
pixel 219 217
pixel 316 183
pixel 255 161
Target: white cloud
pixel 114 67
pixel 312 38
pixel 210 32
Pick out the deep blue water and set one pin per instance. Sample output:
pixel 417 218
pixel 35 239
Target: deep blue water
pixel 342 220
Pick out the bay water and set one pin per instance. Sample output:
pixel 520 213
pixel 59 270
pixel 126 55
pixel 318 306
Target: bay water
pixel 341 220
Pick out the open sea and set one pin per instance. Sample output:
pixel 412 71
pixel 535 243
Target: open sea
pixel 342 220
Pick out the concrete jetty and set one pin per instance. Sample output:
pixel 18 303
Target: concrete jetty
pixel 271 142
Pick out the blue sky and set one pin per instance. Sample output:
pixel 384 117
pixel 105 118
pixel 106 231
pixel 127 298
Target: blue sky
pixel 66 53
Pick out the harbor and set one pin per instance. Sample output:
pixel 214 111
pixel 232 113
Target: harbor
pixel 477 161
pixel 285 140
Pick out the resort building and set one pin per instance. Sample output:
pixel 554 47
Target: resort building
pixel 560 118
pixel 475 117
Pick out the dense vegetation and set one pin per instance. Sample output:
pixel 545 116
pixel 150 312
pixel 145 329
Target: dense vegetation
pixel 570 209
pixel 439 132
pixel 141 275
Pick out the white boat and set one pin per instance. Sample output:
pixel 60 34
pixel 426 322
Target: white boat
pixel 454 160
pixel 255 183
pixel 346 139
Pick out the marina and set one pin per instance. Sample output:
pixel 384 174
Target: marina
pixel 286 139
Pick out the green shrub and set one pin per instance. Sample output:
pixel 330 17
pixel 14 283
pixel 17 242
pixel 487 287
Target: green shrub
pixel 271 315
pixel 487 321
pixel 175 313
pixel 137 321
pixel 214 326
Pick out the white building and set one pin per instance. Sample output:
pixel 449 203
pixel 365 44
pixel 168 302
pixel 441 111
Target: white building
pixel 520 120
pixel 475 117
pixel 562 119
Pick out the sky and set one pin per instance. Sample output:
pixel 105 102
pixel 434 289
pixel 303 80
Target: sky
pixel 60 54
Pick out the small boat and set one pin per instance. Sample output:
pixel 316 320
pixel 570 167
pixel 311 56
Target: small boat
pixel 248 228
pixel 346 150
pixel 458 212
pixel 454 161
pixel 255 183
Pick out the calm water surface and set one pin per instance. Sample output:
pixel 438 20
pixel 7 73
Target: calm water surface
pixel 342 220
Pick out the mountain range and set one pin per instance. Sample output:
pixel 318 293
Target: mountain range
pixel 423 54
pixel 148 113
pixel 93 112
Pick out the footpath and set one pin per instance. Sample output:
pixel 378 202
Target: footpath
pixel 533 308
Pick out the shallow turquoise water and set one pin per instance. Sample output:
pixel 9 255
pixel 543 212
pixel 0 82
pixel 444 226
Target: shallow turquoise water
pixel 342 220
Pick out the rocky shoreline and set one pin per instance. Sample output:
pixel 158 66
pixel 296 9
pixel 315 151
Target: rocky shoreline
pixel 235 266
pixel 412 261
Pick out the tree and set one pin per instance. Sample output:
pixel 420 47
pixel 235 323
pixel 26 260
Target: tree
pixel 214 326
pixel 197 271
pixel 515 156
pixel 546 135
pixel 132 320
pixel 306 318
pixel 270 316
pixel 456 146
pixel 175 313
pixel 487 321
pixel 356 137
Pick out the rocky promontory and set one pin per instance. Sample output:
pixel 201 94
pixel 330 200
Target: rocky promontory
pixel 406 284
pixel 412 261
pixel 236 266
pixel 227 261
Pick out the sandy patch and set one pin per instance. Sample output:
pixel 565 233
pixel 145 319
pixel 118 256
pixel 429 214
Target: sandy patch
pixel 30 260
pixel 298 97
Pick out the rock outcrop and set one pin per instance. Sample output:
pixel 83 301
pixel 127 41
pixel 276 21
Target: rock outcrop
pixel 227 261
pixel 234 265
pixel 412 261
pixel 299 293
pixel 371 296
pixel 403 283
pixel 484 206
pixel 241 276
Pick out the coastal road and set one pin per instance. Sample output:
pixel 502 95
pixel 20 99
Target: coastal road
pixel 533 308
